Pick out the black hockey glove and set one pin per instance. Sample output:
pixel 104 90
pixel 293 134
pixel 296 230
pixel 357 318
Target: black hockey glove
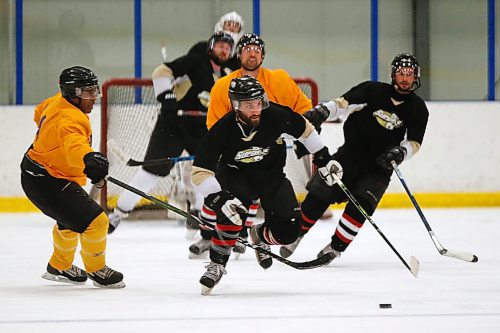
pixel 169 107
pixel 226 206
pixel 96 166
pixel 396 154
pixel 299 149
pixel 317 115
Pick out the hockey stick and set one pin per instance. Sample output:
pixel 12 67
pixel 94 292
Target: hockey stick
pixel 132 162
pixel 318 262
pixel 413 266
pixel 120 153
pixel 191 113
pixel 454 254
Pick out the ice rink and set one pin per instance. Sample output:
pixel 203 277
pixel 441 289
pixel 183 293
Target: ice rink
pixel 163 293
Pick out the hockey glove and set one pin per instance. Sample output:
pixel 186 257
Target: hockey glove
pixel 396 154
pixel 317 115
pixel 326 172
pixel 169 107
pixel 96 166
pixel 226 206
pixel 299 149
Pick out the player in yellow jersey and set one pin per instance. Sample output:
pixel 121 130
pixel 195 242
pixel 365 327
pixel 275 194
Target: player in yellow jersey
pixel 53 171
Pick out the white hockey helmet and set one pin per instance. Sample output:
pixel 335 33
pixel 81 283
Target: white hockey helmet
pixel 231 17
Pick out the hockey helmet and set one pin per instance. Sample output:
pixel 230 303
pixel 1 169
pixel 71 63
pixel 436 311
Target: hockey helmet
pixel 251 39
pixel 408 60
pixel 246 88
pixel 220 36
pixel 236 20
pixel 79 82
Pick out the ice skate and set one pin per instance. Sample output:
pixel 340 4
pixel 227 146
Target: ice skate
pixel 115 218
pixel 265 261
pixel 199 249
pixel 288 250
pixel 328 250
pixel 73 275
pixel 211 277
pixel 239 249
pixel 107 277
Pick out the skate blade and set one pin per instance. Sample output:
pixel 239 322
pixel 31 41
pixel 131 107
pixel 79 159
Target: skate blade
pixel 202 255
pixel 60 279
pixel 205 290
pixel 117 285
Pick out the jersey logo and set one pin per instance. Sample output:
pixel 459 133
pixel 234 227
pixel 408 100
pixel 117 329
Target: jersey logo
pixel 251 155
pixel 396 103
pixel 387 120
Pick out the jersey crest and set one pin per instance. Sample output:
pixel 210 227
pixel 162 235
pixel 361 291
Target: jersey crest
pixel 251 155
pixel 387 120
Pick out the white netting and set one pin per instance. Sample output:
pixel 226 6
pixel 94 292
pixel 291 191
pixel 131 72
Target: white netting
pixel 130 110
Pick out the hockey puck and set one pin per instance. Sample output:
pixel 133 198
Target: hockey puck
pixel 385 306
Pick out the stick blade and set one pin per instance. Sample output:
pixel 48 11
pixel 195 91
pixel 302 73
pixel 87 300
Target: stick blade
pixel 469 257
pixel 414 266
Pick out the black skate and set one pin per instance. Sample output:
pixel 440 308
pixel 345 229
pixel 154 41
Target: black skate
pixel 211 277
pixel 73 275
pixel 288 250
pixel 329 251
pixel 265 261
pixel 199 249
pixel 107 278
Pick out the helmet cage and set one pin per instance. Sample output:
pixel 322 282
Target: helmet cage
pixel 251 39
pixel 406 60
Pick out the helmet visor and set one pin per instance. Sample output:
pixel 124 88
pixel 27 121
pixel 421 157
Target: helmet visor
pixel 248 105
pixel 91 92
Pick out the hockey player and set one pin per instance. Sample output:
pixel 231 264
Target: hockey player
pixel 390 127
pixel 53 171
pixel 230 23
pixel 242 158
pixel 280 88
pixel 173 134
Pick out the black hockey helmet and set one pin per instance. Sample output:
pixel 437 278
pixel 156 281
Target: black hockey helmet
pixel 246 88
pixel 219 36
pixel 406 60
pixel 76 80
pixel 251 39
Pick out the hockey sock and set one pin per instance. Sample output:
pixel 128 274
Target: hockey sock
pixel 348 227
pixel 143 181
pixel 65 243
pixel 252 214
pixel 93 241
pixel 312 209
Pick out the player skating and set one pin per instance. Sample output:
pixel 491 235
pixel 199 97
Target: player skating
pixel 390 127
pixel 54 170
pixel 242 158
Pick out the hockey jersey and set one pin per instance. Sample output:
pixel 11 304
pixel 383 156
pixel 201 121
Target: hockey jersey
pixel 63 138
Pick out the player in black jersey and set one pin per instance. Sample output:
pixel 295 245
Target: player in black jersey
pixel 391 126
pixel 241 158
pixel 174 133
pixel 232 24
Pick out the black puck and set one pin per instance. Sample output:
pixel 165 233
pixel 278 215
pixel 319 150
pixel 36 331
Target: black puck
pixel 385 306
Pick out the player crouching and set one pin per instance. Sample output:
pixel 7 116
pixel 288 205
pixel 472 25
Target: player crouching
pixel 241 158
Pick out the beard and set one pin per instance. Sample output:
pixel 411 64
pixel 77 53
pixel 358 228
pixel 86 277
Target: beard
pixel 217 59
pixel 249 67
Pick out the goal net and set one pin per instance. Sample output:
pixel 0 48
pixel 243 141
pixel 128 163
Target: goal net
pixel 129 111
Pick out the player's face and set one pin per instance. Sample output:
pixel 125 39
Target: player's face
pixel 251 57
pixel 86 104
pixel 250 111
pixel 404 79
pixel 231 26
pixel 222 51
